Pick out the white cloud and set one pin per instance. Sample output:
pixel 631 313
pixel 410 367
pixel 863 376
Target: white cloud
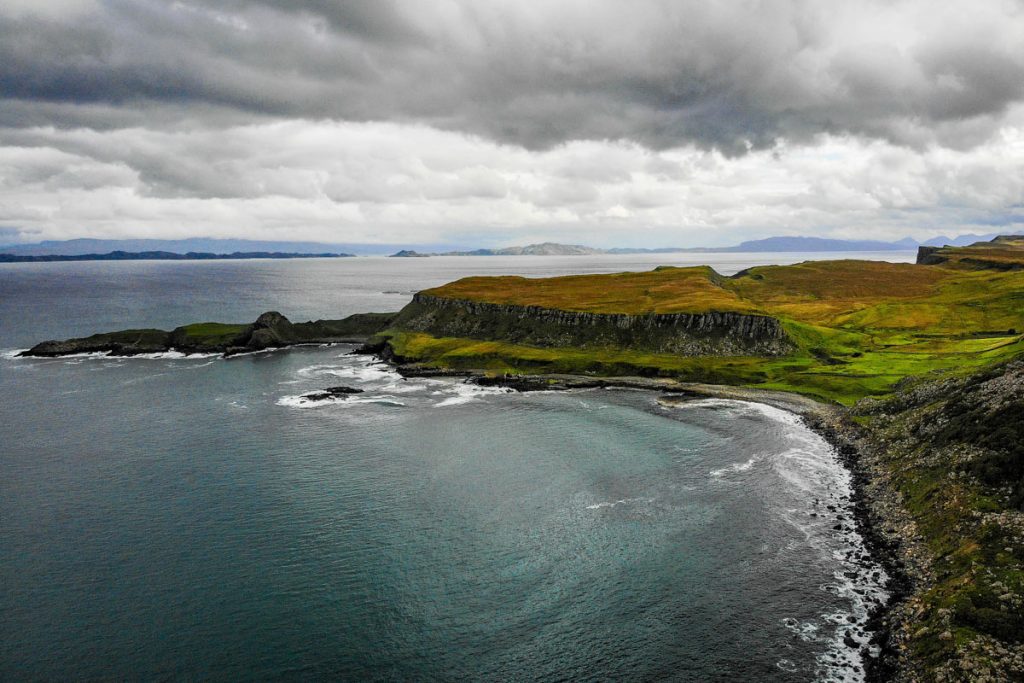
pixel 384 182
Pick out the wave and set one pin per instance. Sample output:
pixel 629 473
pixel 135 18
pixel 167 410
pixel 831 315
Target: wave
pixel 12 354
pixel 739 408
pixel 362 373
pixel 466 393
pixel 404 387
pixel 305 400
pixel 810 469
pixel 737 467
pixel 624 501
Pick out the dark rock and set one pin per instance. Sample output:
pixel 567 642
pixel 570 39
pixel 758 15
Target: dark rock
pixel 331 392
pixel 341 391
pixel 123 343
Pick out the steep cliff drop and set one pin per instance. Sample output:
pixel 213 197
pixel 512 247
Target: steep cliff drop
pixel 688 334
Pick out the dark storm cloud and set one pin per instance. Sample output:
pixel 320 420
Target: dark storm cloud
pixel 729 75
pixel 597 121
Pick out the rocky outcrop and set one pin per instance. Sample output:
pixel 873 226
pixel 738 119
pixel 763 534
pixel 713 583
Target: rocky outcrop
pixel 271 330
pixel 330 393
pixel 123 343
pixel 930 256
pixel 1005 252
pixel 688 334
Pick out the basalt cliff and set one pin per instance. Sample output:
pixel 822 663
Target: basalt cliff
pixel 710 333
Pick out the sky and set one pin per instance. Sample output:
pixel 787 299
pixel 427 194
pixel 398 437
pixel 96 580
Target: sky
pixel 644 123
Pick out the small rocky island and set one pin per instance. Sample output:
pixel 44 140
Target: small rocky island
pixel 270 331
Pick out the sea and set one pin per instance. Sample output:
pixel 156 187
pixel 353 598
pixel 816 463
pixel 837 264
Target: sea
pixel 187 518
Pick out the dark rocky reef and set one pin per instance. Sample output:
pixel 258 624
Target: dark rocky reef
pixel 331 392
pixel 270 330
pixel 688 334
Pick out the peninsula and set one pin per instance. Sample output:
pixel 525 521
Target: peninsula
pixel 914 371
pixel 271 330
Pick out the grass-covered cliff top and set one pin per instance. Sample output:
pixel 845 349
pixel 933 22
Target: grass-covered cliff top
pixel 1002 253
pixel 854 295
pixel 664 290
pixel 858 327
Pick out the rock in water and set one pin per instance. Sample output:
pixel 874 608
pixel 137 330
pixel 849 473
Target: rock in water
pixel 341 391
pixel 331 392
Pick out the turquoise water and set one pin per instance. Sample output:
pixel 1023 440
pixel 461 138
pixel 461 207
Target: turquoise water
pixel 198 518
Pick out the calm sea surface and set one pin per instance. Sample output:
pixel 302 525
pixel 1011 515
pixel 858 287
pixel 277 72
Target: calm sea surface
pixel 189 518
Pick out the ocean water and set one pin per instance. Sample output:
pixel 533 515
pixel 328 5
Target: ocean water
pixel 184 518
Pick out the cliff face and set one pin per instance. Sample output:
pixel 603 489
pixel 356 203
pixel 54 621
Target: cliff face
pixel 688 334
pixel 1005 252
pixel 930 256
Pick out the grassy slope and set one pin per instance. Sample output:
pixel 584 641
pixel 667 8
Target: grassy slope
pixel 1002 252
pixel 665 290
pixel 210 334
pixel 955 452
pixel 861 326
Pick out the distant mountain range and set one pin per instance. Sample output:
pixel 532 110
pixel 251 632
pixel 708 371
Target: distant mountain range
pixel 203 245
pixel 770 244
pixel 97 249
pixel 159 256
pixel 543 249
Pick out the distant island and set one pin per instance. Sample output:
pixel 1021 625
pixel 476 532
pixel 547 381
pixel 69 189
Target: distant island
pixel 544 249
pixel 769 244
pixel 159 256
pixel 89 249
pixel 408 253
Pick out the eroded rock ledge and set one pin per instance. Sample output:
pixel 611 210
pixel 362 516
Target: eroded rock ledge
pixel 689 334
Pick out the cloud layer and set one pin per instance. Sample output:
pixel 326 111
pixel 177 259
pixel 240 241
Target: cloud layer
pixel 499 121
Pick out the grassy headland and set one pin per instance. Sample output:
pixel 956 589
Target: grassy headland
pixel 856 328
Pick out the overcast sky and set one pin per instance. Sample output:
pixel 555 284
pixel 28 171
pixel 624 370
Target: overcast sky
pixel 494 122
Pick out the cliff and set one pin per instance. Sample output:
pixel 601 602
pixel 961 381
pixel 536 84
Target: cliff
pixel 1005 252
pixel 930 256
pixel 687 334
